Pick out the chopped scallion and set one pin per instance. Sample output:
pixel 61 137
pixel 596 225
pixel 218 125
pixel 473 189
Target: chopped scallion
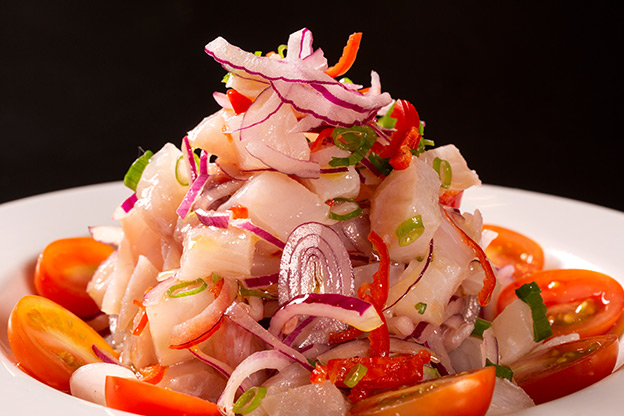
pixel 410 230
pixel 529 293
pixel 443 167
pixel 250 400
pixel 421 307
pixel 342 205
pixel 480 326
pixel 177 172
pixel 502 371
pixel 356 139
pixel 280 50
pixel 257 293
pixel 132 177
pixel 354 375
pixel 187 288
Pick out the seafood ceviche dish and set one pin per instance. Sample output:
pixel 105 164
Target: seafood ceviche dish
pixel 303 250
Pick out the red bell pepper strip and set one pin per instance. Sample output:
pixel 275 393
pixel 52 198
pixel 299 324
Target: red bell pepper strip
pixel 239 102
pixel 489 282
pixel 381 372
pixel 404 138
pixel 349 53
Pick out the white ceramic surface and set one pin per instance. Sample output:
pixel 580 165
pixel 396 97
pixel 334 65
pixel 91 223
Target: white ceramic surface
pixel 573 234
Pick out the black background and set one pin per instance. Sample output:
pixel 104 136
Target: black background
pixel 529 91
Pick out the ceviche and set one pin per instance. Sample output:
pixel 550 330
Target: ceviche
pixel 303 250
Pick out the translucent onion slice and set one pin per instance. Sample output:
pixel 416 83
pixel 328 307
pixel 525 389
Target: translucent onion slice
pixel 238 313
pixel 308 89
pixel 283 163
pixel 314 259
pixel 257 361
pixel 350 310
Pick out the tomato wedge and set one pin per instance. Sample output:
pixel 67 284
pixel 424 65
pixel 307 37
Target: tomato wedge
pixel 64 269
pixel 566 368
pixel 149 400
pixel 49 342
pixel 513 248
pixel 468 393
pixel 582 301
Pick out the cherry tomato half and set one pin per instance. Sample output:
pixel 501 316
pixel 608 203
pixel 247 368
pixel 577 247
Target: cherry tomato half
pixel 513 248
pixel 64 269
pixel 49 342
pixel 566 368
pixel 582 301
pixel 462 394
pixel 149 400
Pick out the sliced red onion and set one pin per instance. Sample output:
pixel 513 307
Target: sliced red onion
pixel 489 347
pixel 107 234
pixel 221 367
pixel 292 337
pixel 356 231
pixel 306 88
pixel 283 163
pixel 104 356
pixel 231 171
pixel 264 106
pixel 239 315
pixel 300 44
pixel 350 310
pixel 222 99
pixel 317 60
pixel 257 361
pixel 215 193
pixel 334 170
pixel 314 259
pixel 196 187
pixel 261 281
pixel 217 219
pixel 128 204
pixel 247 225
pixel 422 273
pixel 368 165
pixel 190 158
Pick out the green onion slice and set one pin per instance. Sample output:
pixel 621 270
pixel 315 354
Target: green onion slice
pixel 410 230
pixel 187 288
pixel 257 293
pixel 250 400
pixel 354 375
pixel 132 177
pixel 356 139
pixel 480 326
pixel 280 50
pixel 443 167
pixel 421 307
pixel 529 293
pixel 502 371
pixel 342 205
pixel 177 172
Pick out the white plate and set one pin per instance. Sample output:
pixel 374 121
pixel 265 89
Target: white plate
pixel 573 234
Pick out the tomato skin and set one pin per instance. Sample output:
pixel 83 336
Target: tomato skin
pixel 64 269
pixel 564 289
pixel 513 248
pixel 468 393
pixel 49 342
pixel 544 378
pixel 149 400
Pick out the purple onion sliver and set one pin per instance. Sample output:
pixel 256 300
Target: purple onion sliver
pixel 104 356
pixel 368 165
pixel 190 158
pixel 265 235
pixel 261 281
pixel 191 196
pixel 219 220
pixel 422 272
pixel 128 204
pixel 335 170
pixel 298 330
